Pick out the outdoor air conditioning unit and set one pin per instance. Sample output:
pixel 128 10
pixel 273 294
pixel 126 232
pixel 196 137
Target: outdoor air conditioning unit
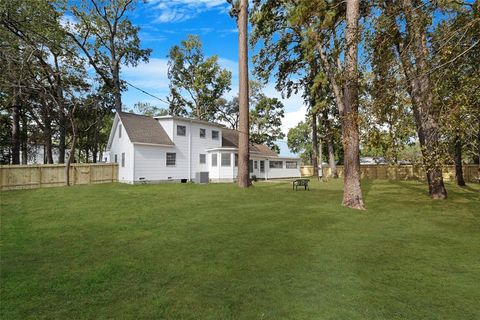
pixel 201 177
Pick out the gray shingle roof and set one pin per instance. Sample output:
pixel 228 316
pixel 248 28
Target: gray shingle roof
pixel 144 129
pixel 230 139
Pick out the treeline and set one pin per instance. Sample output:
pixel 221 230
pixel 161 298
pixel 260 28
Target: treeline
pixel 61 81
pixel 48 97
pixel 385 73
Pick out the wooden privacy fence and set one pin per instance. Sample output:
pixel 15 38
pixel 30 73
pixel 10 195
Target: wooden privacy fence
pixel 403 172
pixel 53 175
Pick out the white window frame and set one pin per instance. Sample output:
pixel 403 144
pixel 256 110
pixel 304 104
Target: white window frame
pixel 204 158
pixel 123 159
pixel 225 156
pixel 204 133
pixel 218 134
pixel 275 161
pixel 175 159
pixel 119 131
pixel 181 126
pixel 289 163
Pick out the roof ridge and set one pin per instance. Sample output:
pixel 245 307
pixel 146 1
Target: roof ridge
pixel 135 114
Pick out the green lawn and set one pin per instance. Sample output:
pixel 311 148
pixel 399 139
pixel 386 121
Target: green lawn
pixel 218 252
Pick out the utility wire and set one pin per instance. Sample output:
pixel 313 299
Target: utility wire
pixel 147 93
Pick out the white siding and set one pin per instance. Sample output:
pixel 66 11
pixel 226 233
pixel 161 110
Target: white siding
pixel 273 173
pixel 150 161
pixel 150 164
pixel 120 145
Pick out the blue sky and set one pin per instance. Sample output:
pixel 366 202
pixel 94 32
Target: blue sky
pixel 164 23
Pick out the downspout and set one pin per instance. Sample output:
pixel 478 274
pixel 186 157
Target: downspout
pixel 190 152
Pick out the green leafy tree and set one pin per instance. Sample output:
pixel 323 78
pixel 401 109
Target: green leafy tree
pixel 265 122
pixel 456 90
pixel 299 141
pixel 308 38
pixel 196 82
pixel 149 109
pixel 227 111
pixel 105 34
pixel 266 115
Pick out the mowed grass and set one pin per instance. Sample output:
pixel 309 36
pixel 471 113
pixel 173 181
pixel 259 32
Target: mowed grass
pixel 217 252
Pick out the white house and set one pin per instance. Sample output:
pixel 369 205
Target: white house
pixel 171 148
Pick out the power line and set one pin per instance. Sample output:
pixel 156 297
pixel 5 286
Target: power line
pixel 147 93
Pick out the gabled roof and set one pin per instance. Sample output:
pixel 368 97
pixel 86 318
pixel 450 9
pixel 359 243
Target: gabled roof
pixel 230 139
pixel 207 123
pixel 144 129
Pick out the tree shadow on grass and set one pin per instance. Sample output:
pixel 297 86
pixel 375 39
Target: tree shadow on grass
pixel 453 191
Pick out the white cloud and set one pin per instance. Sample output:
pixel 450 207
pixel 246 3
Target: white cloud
pixel 152 75
pixel 293 118
pixel 153 78
pixel 182 10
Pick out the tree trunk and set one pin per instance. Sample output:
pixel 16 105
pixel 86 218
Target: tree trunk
pixel 331 158
pixel 314 145
pixel 243 143
pixel 458 162
pixel 420 91
pixel 70 156
pixel 117 93
pixel 352 192
pixel 71 153
pixel 320 158
pixel 62 136
pixel 24 139
pixel 48 143
pixel 15 134
pixel 95 147
pixel 61 110
pixel 330 147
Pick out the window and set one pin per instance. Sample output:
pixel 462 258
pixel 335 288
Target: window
pixel 116 158
pixel 226 160
pixel 181 131
pixel 250 166
pixel 203 133
pixel 171 159
pixel 236 159
pixel 276 164
pixel 291 164
pixel 203 158
pixel 255 165
pixel 214 160
pixel 119 131
pixel 123 159
pixel 262 166
pixel 214 135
